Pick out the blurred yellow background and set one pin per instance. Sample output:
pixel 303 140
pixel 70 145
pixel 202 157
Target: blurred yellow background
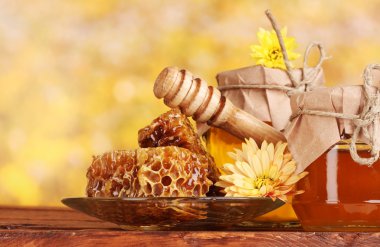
pixel 76 76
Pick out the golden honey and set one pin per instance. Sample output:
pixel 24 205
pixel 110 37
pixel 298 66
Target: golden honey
pixel 340 195
pixel 219 143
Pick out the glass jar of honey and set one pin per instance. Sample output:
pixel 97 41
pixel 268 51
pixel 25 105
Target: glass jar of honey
pixel 340 195
pixel 333 135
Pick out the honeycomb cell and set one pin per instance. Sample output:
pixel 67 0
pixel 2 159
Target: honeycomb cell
pixel 158 189
pixel 156 166
pixel 180 182
pixel 166 181
pixel 197 189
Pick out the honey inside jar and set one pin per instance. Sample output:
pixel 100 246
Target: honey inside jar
pixel 340 194
pixel 219 143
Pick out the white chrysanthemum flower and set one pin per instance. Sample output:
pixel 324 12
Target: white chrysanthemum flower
pixel 261 172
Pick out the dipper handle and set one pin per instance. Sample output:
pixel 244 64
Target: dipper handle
pixel 206 104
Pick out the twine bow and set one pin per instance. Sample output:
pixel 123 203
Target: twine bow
pixel 368 121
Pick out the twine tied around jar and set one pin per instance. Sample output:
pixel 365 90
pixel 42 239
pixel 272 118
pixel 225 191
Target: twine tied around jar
pixel 367 122
pixel 309 73
pixel 368 119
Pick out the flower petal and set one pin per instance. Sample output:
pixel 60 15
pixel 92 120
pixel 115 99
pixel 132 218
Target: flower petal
pixel 233 168
pixel 248 170
pixel 256 164
pixel 270 151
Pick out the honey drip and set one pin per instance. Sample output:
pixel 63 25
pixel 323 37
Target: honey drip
pixel 219 143
pixel 340 194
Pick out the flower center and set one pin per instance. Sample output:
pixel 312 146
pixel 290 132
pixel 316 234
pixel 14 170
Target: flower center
pixel 260 181
pixel 275 54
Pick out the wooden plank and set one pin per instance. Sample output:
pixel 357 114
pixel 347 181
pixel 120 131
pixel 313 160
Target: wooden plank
pixel 48 218
pixel 36 226
pixel 125 238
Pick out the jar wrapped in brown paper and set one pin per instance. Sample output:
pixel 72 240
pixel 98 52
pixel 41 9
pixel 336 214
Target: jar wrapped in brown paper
pixel 264 92
pixel 335 136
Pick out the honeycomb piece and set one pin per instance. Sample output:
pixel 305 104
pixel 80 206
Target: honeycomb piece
pixel 171 129
pixel 113 174
pixel 172 171
pixel 162 171
pixel 174 129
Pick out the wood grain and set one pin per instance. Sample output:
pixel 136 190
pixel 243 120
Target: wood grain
pixel 56 218
pixel 44 226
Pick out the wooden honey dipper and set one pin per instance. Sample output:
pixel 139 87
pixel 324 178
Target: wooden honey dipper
pixel 206 104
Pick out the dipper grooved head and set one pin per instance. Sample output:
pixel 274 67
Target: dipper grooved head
pixel 165 81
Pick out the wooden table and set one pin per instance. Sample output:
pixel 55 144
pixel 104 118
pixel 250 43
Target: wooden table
pixel 43 226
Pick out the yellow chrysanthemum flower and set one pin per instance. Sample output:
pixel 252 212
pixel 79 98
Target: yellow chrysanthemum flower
pixel 268 53
pixel 261 172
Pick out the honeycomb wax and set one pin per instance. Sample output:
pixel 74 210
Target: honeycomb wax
pixel 161 171
pixel 111 173
pixel 174 129
pixel 219 143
